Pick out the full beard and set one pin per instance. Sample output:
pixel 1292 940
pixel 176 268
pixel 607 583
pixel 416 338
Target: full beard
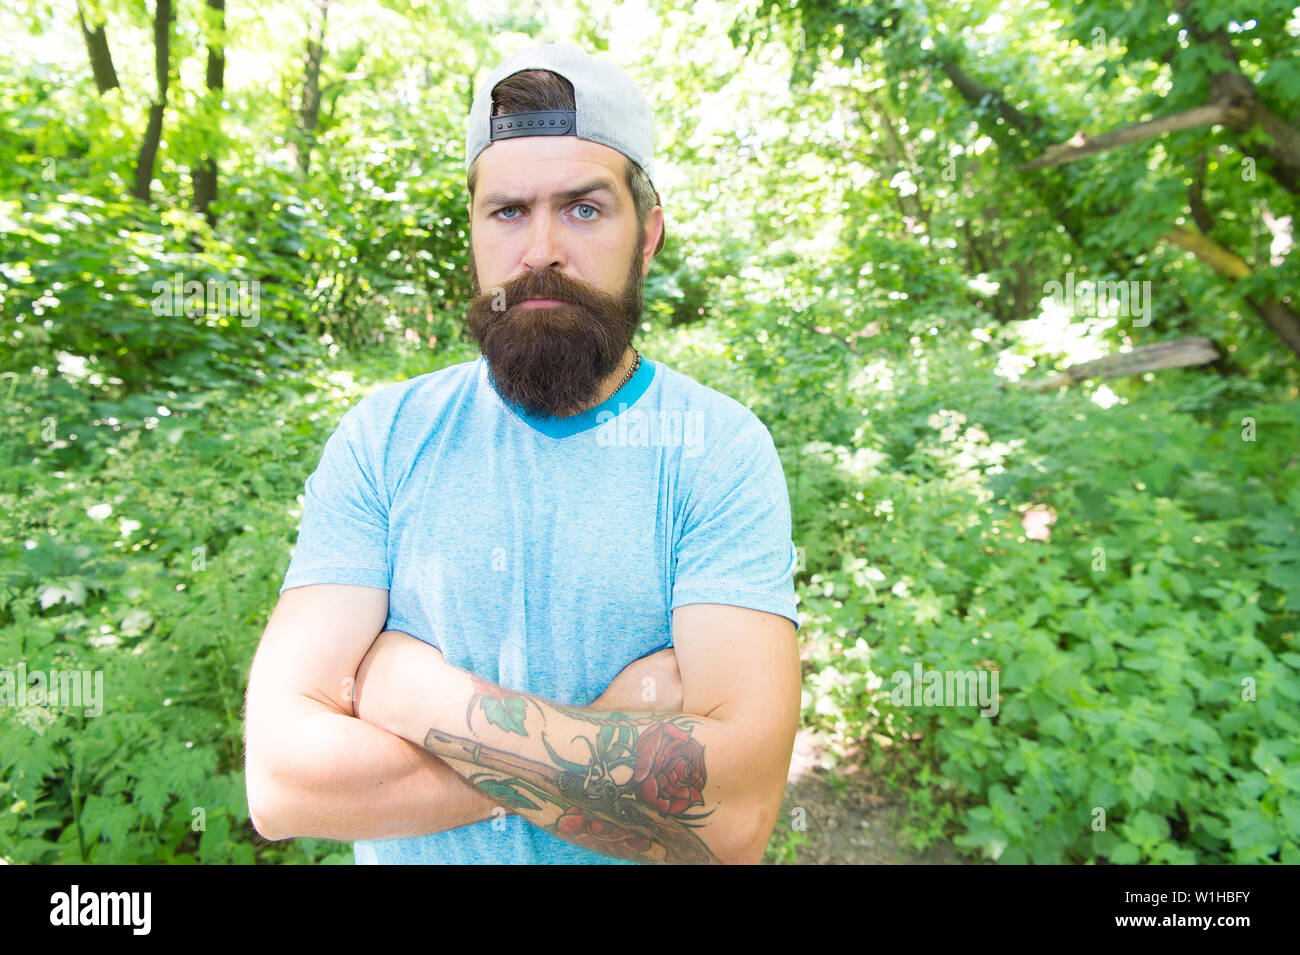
pixel 551 361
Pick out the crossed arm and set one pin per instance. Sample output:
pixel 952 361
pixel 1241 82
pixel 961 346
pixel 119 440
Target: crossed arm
pixel 700 786
pixel 314 769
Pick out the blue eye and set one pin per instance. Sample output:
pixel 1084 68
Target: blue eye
pixel 506 209
pixel 594 210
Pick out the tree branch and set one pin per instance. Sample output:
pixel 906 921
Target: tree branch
pixel 1080 145
pixel 1276 313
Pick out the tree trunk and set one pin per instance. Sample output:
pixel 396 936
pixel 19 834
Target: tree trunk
pixel 162 23
pixel 900 156
pixel 309 106
pixel 1278 314
pixel 1026 127
pixel 1280 144
pixel 101 60
pixel 205 177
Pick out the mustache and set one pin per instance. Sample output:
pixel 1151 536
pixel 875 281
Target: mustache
pixel 548 284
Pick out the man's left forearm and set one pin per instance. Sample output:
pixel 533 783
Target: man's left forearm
pixel 642 786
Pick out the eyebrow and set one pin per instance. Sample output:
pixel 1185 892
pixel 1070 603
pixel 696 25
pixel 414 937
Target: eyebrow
pixel 568 195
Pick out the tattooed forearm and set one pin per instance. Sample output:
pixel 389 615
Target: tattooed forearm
pixel 632 790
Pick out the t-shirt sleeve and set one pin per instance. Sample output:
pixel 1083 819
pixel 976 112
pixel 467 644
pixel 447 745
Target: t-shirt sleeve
pixel 343 535
pixel 735 546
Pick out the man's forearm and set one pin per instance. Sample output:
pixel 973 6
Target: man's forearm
pixel 333 776
pixel 643 786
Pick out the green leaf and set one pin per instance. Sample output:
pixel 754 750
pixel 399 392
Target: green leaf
pixel 1147 828
pixel 215 839
pixel 1143 781
pixel 1252 829
pixel 506 713
pixel 1125 854
pixel 1290 778
pixel 1289 808
pixel 506 794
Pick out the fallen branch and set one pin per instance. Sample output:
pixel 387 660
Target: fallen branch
pixel 1180 353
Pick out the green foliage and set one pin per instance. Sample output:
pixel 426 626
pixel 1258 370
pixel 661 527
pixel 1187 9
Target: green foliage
pixel 784 846
pixel 162 586
pixel 1147 673
pixel 114 287
pixel 849 255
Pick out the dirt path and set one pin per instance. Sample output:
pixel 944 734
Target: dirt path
pixel 846 825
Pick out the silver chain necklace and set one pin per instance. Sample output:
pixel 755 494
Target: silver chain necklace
pixel 636 363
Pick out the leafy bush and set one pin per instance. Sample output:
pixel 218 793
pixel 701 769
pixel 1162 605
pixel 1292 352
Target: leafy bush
pixel 1148 680
pixel 164 585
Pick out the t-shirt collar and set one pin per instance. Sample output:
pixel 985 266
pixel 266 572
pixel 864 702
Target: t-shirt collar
pixel 617 403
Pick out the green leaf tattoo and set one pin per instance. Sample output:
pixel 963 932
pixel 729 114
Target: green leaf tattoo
pixel 504 793
pixel 500 706
pixel 507 714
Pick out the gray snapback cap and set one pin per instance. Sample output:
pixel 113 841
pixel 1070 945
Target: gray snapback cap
pixel 609 109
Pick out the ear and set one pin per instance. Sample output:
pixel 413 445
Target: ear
pixel 654 230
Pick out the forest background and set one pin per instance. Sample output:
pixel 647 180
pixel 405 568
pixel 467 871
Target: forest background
pixel 899 232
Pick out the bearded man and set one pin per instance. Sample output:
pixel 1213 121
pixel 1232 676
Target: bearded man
pixel 528 619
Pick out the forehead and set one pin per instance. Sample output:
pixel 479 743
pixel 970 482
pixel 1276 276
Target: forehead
pixel 545 164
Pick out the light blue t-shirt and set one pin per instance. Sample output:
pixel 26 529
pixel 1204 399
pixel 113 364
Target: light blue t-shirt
pixel 545 554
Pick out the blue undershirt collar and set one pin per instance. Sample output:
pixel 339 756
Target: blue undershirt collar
pixel 617 403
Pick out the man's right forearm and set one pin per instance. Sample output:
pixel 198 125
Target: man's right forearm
pixel 313 772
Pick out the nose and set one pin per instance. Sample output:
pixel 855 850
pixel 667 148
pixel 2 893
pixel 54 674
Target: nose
pixel 544 249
